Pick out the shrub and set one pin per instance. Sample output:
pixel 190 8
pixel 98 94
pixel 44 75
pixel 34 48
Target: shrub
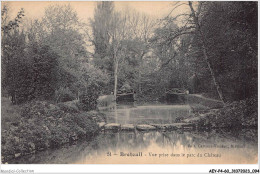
pixel 236 114
pixel 10 113
pixel 64 95
pixel 86 122
pixel 70 107
pixel 89 99
pixel 93 80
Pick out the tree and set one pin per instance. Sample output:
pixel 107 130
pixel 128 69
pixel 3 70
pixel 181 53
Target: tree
pixel 192 26
pixel 232 43
pixel 47 59
pixel 118 34
pixel 64 34
pixel 13 44
pixel 120 40
pixel 203 46
pixel 109 30
pixel 217 36
pixel 101 26
pixel 140 29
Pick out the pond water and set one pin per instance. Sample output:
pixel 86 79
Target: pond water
pixel 145 114
pixel 166 147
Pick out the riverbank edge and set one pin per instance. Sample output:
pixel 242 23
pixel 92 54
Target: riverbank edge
pixel 206 114
pixel 240 114
pixel 45 126
pixel 235 115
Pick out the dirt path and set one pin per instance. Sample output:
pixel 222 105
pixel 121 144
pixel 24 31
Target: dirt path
pixel 199 99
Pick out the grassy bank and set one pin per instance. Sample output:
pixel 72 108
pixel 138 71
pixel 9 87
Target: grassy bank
pixel 39 125
pixel 238 114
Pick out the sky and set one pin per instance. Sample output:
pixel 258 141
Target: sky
pixel 85 9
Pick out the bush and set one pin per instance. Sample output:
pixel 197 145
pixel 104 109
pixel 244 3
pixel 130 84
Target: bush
pixel 93 81
pixel 89 99
pixel 45 125
pixel 10 114
pixel 40 109
pixel 237 114
pixel 64 95
pixel 70 107
pixel 86 122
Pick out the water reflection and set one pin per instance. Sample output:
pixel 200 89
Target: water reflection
pixel 214 142
pixel 212 147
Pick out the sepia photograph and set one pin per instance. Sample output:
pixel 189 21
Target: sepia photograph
pixel 129 82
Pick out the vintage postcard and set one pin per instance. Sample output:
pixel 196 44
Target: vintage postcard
pixel 129 82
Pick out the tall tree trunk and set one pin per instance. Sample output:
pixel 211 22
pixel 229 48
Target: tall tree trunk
pixel 139 73
pixel 201 36
pixel 115 76
pixel 213 75
pixel 139 81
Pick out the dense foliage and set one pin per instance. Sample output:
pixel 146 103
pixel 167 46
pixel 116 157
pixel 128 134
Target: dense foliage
pixel 47 60
pixel 43 125
pixel 231 41
pixel 171 53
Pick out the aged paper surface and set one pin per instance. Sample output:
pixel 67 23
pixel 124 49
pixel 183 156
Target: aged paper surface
pixel 164 83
